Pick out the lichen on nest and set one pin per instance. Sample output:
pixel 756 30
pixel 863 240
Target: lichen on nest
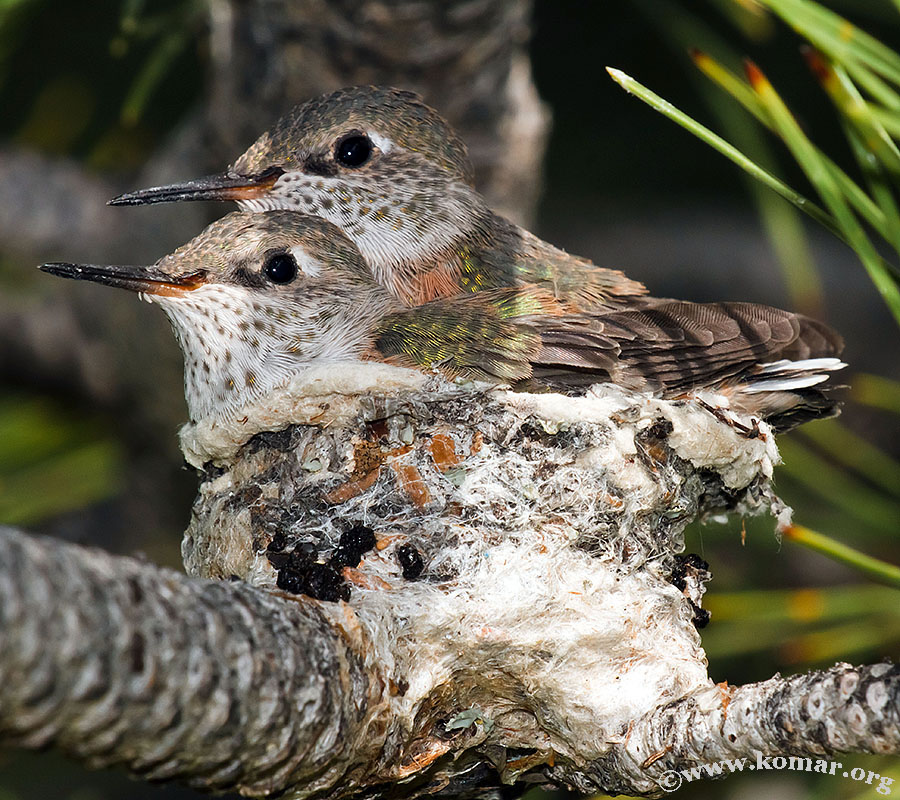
pixel 614 473
pixel 522 544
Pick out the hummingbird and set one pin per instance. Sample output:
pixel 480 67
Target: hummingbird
pixel 395 177
pixel 257 298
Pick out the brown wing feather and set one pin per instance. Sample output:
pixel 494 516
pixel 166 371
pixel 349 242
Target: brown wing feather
pixel 673 346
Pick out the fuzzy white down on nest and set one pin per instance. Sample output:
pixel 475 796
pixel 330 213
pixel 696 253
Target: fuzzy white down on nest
pixel 560 646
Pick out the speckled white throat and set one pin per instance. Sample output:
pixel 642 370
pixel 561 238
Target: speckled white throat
pixel 239 347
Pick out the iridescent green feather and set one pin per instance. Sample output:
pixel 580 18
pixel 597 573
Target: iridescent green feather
pixel 487 337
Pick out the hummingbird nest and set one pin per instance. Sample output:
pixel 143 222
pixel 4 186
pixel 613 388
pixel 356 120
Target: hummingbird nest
pixel 514 552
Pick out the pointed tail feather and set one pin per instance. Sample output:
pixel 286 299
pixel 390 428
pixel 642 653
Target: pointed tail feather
pixel 786 375
pixel 784 394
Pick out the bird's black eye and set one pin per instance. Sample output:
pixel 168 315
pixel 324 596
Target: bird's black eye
pixel 353 150
pixel 280 268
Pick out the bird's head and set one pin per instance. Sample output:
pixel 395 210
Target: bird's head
pixel 377 162
pixel 364 132
pixel 254 300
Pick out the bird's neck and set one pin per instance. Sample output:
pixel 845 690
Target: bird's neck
pixel 232 360
pixel 481 251
pixel 427 254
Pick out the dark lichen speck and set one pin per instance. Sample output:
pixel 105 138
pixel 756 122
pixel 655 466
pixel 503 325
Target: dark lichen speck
pixel 290 581
pixel 300 573
pixel 297 559
pixel 313 579
pixel 353 543
pixel 247 496
pixel 701 616
pixel 684 563
pixel 411 561
pixel 325 583
pixel 271 440
pixel 690 565
pixel 280 560
pixel 210 471
pixel 135 591
pixel 660 429
pixel 137 651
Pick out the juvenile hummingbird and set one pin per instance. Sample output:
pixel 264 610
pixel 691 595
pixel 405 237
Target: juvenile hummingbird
pixel 395 177
pixel 257 298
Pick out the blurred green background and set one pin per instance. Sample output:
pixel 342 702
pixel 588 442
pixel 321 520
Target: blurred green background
pixel 107 82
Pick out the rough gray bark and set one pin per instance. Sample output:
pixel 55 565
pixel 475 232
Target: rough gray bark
pixel 219 685
pixel 116 661
pixel 844 709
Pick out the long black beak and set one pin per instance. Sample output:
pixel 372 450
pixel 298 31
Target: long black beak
pixel 213 187
pixel 150 280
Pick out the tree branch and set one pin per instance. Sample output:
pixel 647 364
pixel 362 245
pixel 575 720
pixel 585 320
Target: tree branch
pixel 843 709
pixel 218 684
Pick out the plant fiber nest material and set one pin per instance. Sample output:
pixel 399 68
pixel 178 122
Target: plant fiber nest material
pixel 547 526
